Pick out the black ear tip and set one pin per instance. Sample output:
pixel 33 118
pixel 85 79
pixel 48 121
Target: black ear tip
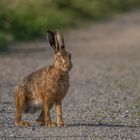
pixel 49 32
pixel 51 38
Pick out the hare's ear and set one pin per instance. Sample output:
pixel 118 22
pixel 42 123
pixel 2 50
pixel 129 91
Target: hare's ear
pixel 52 39
pixel 60 39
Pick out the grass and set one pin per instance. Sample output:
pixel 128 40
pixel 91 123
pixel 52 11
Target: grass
pixel 29 19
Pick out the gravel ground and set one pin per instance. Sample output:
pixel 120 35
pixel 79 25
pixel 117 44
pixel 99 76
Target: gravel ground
pixel 104 98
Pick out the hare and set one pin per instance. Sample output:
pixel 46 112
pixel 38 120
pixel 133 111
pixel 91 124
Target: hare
pixel 45 87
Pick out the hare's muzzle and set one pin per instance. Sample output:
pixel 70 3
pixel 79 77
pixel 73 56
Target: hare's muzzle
pixel 70 67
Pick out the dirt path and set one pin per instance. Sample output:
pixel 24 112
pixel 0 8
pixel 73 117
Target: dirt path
pixel 104 99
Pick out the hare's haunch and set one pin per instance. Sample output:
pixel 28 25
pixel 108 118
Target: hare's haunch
pixel 45 87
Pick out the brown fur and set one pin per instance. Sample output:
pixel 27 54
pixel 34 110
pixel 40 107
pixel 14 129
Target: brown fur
pixel 45 87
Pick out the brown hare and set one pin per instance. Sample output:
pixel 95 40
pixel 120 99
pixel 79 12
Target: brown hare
pixel 45 87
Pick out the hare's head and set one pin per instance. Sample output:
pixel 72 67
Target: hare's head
pixel 62 58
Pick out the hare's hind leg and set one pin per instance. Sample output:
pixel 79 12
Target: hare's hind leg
pixel 41 119
pixel 20 100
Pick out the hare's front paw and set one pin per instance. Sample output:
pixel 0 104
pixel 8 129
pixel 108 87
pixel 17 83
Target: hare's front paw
pixel 54 124
pixel 22 123
pixel 60 123
pixel 49 124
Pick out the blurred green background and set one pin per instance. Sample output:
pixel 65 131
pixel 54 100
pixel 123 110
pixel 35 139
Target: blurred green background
pixel 29 19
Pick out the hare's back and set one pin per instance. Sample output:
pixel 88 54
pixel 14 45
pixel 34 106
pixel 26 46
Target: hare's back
pixel 34 80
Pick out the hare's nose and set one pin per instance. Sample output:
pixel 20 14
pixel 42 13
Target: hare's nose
pixel 71 66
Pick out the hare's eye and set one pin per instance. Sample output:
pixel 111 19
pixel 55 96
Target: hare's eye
pixel 59 54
